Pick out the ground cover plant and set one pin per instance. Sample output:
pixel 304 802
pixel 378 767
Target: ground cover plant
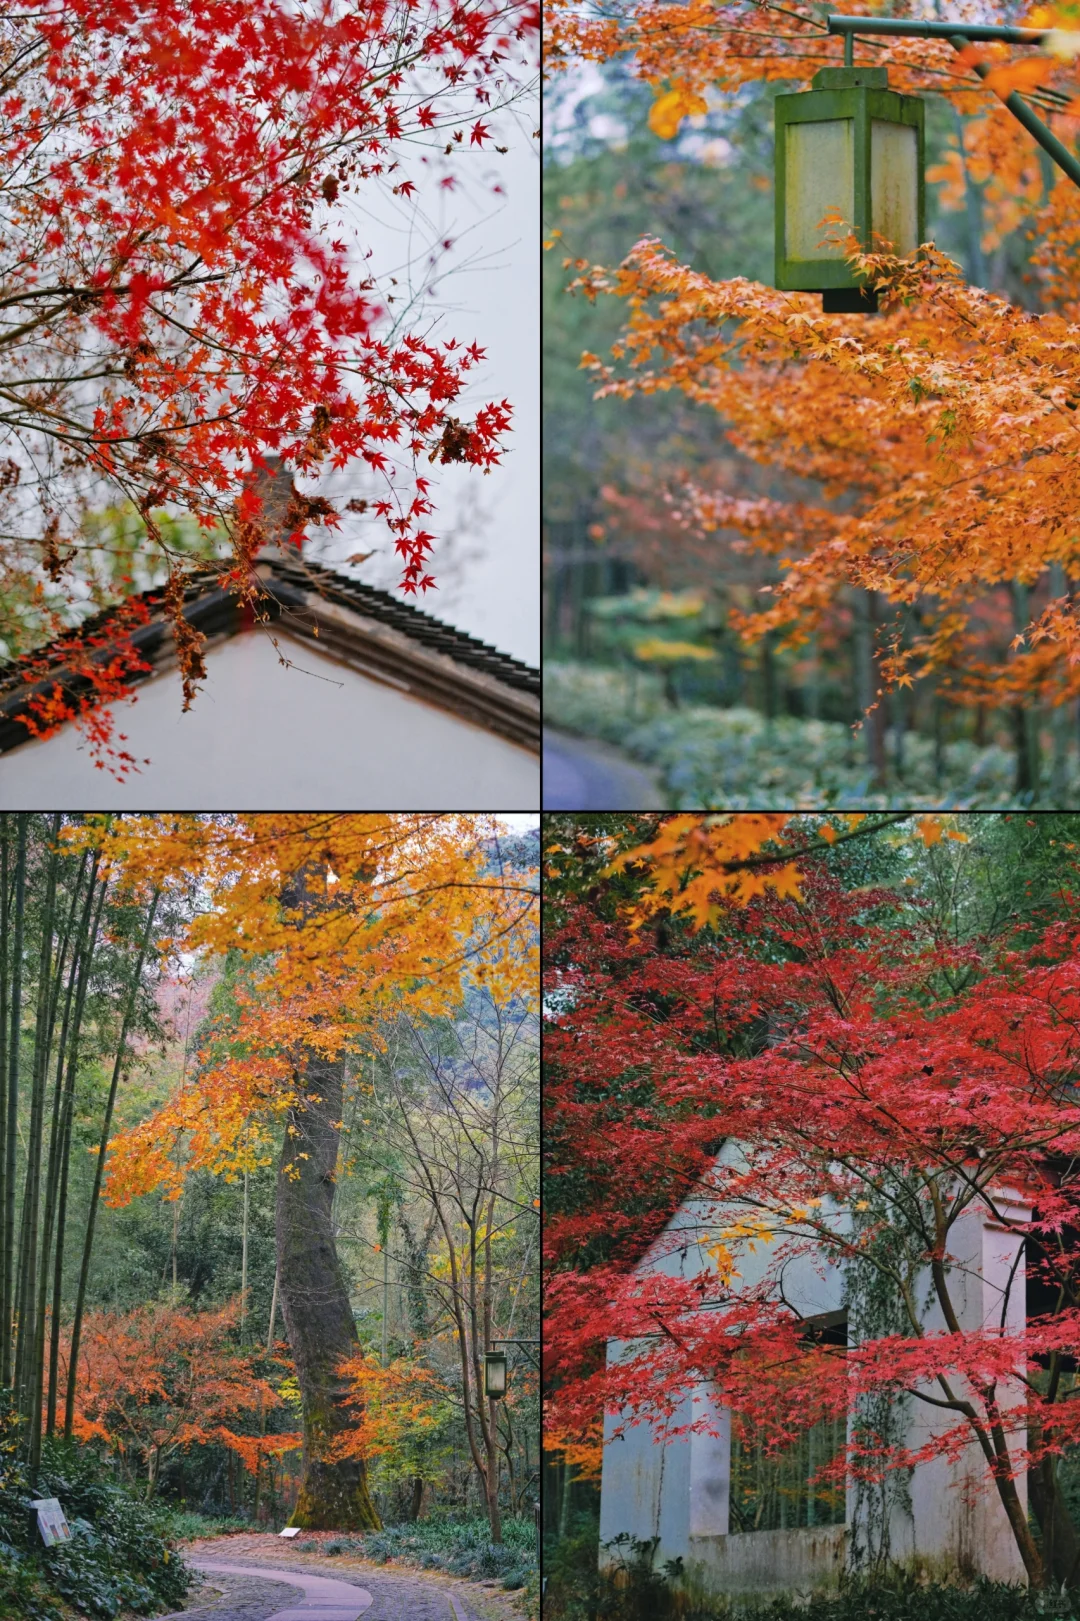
pixel 123 1553
pixel 462 1546
pixel 737 758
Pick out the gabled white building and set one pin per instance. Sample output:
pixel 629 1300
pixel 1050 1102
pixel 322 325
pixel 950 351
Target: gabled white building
pixel 741 1525
pixel 343 697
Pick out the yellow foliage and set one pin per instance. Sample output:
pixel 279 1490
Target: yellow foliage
pixel 666 652
pixel 669 110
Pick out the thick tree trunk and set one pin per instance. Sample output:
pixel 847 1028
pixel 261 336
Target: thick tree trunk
pixel 315 1302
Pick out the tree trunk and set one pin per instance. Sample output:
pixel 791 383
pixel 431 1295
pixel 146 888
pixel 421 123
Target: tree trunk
pixel 51 1178
pixel 867 683
pixel 315 1302
pixel 99 1168
pixel 1025 716
pixel 66 1110
pixel 28 1256
pixel 13 1104
pixel 417 1501
pixel 1061 1544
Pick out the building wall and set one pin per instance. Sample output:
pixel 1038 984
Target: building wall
pixel 678 1490
pixel 317 736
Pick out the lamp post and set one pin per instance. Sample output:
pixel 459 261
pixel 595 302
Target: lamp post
pixel 495 1367
pixel 852 146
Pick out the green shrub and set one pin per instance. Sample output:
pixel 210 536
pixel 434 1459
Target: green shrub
pixel 119 1558
pixel 630 1589
pixel 709 756
pixel 185 1525
pixel 570 1570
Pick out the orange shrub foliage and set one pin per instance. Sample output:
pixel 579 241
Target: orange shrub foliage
pixel 160 1379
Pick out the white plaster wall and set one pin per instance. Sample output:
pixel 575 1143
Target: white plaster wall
pixel 645 1484
pixel 681 1491
pixel 957 1512
pixel 263 737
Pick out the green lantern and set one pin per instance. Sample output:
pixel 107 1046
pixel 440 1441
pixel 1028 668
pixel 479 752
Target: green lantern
pixel 851 146
pixel 495 1374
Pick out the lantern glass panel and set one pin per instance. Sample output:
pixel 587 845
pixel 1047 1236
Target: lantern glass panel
pixel 820 180
pixel 894 185
pixel 495 1373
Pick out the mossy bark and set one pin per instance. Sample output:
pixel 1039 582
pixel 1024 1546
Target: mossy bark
pixel 333 1495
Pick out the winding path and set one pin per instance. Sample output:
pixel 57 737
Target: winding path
pixel 324 1597
pixel 580 774
pixel 255 1593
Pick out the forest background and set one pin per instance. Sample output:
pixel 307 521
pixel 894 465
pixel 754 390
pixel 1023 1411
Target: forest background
pixel 675 501
pixel 156 1017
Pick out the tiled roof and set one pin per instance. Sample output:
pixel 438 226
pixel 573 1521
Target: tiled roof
pixel 306 586
pixel 401 615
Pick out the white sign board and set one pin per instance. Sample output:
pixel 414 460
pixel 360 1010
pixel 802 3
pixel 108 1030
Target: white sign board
pixel 51 1521
pixel 290 1531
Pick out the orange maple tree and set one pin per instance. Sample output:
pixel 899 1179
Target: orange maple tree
pixel 160 1379
pixel 698 866
pixel 340 917
pixel 407 905
pixel 948 423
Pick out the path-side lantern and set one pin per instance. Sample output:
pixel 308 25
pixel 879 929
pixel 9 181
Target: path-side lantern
pixel 495 1374
pixel 854 147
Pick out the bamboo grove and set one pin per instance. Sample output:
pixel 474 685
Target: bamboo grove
pixel 73 944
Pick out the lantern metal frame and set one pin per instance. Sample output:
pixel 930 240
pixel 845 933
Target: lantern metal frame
pixel 860 94
pixel 960 35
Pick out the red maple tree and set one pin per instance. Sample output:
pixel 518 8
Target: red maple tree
pixel 879 1078
pixel 176 303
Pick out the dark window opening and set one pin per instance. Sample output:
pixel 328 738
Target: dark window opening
pixel 774 1493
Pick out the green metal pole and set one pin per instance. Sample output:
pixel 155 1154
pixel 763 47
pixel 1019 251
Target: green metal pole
pixel 959 35
pixel 1034 125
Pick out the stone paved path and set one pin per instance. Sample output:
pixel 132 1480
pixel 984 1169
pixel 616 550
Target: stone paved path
pixel 325 1598
pixel 583 775
pixel 298 1595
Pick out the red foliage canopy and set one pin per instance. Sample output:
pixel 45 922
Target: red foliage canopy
pixel 175 301
pixel 866 1077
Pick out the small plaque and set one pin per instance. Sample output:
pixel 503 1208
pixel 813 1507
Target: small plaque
pixel 290 1531
pixel 51 1521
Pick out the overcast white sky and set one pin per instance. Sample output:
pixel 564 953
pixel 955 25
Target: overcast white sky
pixel 488 292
